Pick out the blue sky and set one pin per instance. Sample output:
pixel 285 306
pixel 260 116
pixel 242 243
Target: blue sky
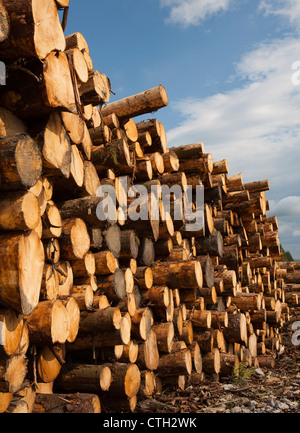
pixel 227 69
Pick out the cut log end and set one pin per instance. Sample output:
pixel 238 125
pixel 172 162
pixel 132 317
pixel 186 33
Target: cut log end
pixel 31 265
pixel 125 330
pixel 73 311
pixel 35 30
pixel 4 23
pixel 21 160
pixel 11 326
pixel 105 378
pixel 79 237
pixel 60 323
pixel 132 380
pixel 16 370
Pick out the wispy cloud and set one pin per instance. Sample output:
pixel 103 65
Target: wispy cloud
pixel 287 211
pixel 257 124
pixel 289 9
pixel 286 207
pixel 193 12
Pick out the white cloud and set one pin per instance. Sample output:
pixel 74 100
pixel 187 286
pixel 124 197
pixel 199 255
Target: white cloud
pixel 286 207
pixel 192 12
pixel 256 126
pixel 289 9
pixel 287 211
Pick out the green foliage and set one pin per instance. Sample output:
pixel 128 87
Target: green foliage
pixel 287 256
pixel 241 373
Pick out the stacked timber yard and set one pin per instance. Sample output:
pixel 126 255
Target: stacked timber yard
pixel 98 315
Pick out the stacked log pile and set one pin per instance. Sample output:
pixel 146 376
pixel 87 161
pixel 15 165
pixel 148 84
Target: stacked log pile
pixel 290 277
pixel 97 314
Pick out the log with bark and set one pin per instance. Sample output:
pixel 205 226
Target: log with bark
pixel 142 103
pixel 22 263
pixel 37 88
pixel 49 323
pixel 21 162
pixel 84 377
pixel 67 403
pixel 116 307
pixel 34 29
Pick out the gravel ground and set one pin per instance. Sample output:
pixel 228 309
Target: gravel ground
pixel 264 391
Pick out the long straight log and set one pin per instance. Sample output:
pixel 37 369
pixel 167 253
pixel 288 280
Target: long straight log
pixel 189 151
pixel 107 319
pixel 67 403
pixel 293 278
pixel 84 378
pixel 104 339
pixel 201 165
pixel 185 274
pixel 141 103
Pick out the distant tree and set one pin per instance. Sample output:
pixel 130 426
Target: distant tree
pixel 287 256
